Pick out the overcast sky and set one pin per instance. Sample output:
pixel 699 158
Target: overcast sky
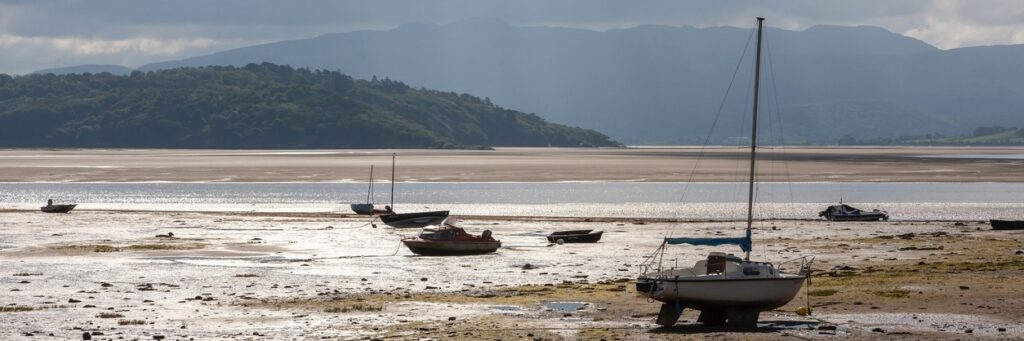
pixel 44 34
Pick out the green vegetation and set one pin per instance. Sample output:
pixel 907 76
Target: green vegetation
pixel 354 307
pixel 823 292
pixel 259 106
pixel 893 293
pixel 982 136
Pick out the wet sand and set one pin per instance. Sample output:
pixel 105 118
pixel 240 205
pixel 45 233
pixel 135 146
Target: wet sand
pixel 902 164
pixel 302 275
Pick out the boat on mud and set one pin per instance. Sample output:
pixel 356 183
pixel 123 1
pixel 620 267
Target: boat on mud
pixel 1007 224
pixel 450 240
pixel 58 208
pixel 408 220
pixel 844 212
pixel 726 289
pixel 575 236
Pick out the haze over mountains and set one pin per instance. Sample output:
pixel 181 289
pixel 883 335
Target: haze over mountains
pixel 661 84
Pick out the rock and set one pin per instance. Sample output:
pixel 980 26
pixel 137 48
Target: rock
pixel 1001 329
pixel 878 330
pixel 906 236
pixel 1019 252
pixel 423 279
pixel 964 287
pixel 86 336
pixel 528 266
pixel 72 300
pixel 158 337
pixel 969 331
pixel 827 327
pixel 451 318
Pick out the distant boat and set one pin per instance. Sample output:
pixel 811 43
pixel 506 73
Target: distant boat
pixel 726 289
pixel 843 212
pixel 409 220
pixel 576 236
pixel 366 208
pixel 450 240
pixel 1007 224
pixel 51 208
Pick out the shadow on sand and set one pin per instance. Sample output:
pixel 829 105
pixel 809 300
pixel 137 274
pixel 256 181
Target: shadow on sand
pixel 762 327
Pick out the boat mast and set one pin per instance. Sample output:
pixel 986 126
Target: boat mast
pixel 753 131
pixel 392 181
pixel 369 191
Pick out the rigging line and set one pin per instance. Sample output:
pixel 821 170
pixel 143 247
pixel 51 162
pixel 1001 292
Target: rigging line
pixel 778 116
pixel 718 115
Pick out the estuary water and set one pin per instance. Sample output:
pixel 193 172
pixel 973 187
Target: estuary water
pixel 913 201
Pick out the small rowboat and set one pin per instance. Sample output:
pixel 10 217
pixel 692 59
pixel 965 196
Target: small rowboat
pixel 414 220
pixel 58 208
pixel 1007 224
pixel 576 236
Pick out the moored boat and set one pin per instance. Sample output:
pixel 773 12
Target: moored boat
pixel 1007 224
pixel 450 240
pixel 844 212
pixel 366 208
pixel 576 236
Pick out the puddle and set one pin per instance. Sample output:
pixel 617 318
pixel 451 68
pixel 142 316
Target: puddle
pixel 565 307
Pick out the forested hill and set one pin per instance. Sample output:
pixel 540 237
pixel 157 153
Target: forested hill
pixel 259 106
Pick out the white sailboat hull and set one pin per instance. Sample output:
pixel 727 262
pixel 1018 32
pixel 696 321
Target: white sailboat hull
pixel 710 293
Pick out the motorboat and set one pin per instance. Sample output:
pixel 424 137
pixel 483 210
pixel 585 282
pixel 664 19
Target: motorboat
pixel 57 208
pixel 844 212
pixel 448 239
pixel 1007 224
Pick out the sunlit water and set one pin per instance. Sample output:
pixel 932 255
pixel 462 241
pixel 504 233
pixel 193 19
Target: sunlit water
pixel 904 201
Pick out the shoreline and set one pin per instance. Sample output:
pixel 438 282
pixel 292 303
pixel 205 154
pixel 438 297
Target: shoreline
pixel 512 165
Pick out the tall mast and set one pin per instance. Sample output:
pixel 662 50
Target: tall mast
pixel 369 190
pixel 753 131
pixel 392 181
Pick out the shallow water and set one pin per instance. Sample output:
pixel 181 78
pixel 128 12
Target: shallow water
pixel 723 201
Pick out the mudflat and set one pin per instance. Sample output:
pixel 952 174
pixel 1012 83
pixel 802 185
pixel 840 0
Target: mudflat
pixel 266 275
pixel 866 164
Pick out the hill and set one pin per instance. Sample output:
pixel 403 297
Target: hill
pixel 663 84
pixel 90 68
pixel 259 106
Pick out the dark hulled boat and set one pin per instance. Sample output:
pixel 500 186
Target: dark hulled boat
pixel 843 212
pixel 1007 224
pixel 58 208
pixel 414 220
pixel 576 236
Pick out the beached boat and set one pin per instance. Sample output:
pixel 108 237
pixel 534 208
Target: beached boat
pixel 408 220
pixel 1007 224
pixel 450 240
pixel 51 208
pixel 58 208
pixel 576 236
pixel 726 289
pixel 414 220
pixel 844 212
pixel 367 207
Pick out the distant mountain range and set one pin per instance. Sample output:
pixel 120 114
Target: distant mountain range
pixel 662 84
pixel 260 106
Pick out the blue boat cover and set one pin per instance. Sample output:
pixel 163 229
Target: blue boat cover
pixel 743 242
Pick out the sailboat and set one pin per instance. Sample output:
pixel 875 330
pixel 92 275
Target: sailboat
pixel 726 289
pixel 366 208
pixel 409 220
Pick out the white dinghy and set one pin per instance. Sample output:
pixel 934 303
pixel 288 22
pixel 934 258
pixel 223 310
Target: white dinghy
pixel 727 290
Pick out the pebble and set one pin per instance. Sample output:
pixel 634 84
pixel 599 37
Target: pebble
pixel 86 336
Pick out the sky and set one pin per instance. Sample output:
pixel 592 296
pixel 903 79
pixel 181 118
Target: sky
pixel 38 34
